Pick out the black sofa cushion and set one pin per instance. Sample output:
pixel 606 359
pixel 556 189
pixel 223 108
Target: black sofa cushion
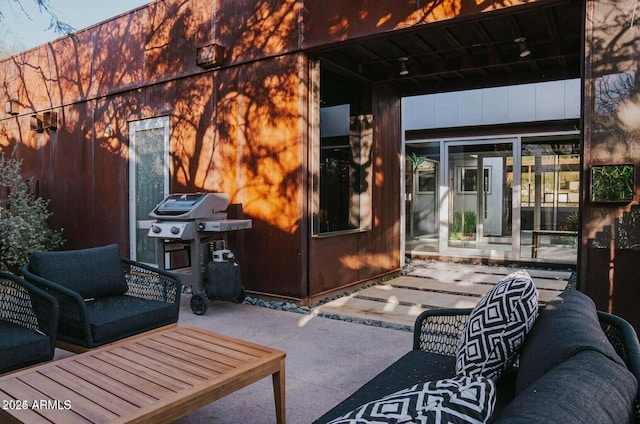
pixel 114 317
pixel 93 272
pixel 497 326
pixel 567 325
pixel 413 368
pixel 455 400
pixel 588 388
pixel 21 346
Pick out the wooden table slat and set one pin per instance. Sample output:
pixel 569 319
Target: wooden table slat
pixel 79 404
pixel 109 384
pixel 143 372
pixel 240 345
pixel 189 358
pixel 17 390
pixel 224 356
pixel 221 347
pixel 87 389
pixel 125 378
pixel 168 368
pixel 202 394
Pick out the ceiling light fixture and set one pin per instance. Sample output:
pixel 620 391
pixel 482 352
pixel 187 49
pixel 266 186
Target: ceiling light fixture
pixel 522 43
pixel 403 66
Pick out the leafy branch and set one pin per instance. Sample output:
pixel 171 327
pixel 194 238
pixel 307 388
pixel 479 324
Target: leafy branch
pixel 45 7
pixel 23 219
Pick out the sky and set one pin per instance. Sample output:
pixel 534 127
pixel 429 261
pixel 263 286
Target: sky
pixel 17 29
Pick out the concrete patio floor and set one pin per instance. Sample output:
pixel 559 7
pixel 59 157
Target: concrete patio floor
pixel 327 360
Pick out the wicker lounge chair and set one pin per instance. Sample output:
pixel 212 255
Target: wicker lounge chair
pixel 103 297
pixel 28 324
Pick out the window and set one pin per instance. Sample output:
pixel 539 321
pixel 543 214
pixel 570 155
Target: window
pixel 343 177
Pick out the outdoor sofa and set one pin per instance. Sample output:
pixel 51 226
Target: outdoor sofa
pixel 104 297
pixel 507 362
pixel 28 324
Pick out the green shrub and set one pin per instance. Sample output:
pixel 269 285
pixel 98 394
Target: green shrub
pixel 464 223
pixel 23 219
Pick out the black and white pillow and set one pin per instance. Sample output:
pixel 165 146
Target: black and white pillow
pixel 458 400
pixel 497 327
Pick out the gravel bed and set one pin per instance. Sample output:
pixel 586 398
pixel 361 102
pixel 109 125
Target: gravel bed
pixel 308 310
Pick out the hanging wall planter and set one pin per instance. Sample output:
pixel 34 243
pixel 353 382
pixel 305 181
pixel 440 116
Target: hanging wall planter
pixel 612 183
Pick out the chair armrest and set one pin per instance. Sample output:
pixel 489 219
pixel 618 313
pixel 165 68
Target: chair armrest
pixel 26 305
pixel 438 330
pixel 624 339
pixel 73 311
pixel 151 283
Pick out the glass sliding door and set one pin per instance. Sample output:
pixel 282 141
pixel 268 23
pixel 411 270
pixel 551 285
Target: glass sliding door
pixel 480 187
pixel 422 197
pixel 512 197
pixel 550 197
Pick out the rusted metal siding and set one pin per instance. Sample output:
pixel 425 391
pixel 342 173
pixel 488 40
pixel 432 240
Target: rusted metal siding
pixel 259 158
pixel 146 46
pixel 254 29
pixel 609 254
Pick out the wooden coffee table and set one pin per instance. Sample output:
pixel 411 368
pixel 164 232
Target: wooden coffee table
pixel 155 378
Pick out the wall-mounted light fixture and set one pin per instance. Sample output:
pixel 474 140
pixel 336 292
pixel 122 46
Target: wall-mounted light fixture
pixel 522 43
pixel 12 107
pixel 35 123
pixel 109 131
pixel 44 121
pixel 403 66
pixel 210 56
pixel 50 120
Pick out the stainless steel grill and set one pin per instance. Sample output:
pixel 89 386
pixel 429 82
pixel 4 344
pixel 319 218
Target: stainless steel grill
pixel 193 222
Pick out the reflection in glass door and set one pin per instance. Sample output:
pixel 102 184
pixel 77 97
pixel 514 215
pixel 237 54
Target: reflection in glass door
pixel 480 190
pixel 422 198
pixel 550 198
pixel 148 181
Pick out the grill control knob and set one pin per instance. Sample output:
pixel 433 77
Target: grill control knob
pixel 175 230
pixel 156 229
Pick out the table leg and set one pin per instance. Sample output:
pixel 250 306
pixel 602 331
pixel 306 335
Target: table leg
pixel 279 394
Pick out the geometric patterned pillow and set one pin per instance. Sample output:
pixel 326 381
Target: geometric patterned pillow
pixel 458 400
pixel 497 327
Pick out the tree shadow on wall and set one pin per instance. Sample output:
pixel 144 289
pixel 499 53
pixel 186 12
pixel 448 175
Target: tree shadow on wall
pixel 615 128
pixel 614 265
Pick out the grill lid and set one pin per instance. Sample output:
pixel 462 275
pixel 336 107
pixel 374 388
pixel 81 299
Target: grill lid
pixel 192 206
